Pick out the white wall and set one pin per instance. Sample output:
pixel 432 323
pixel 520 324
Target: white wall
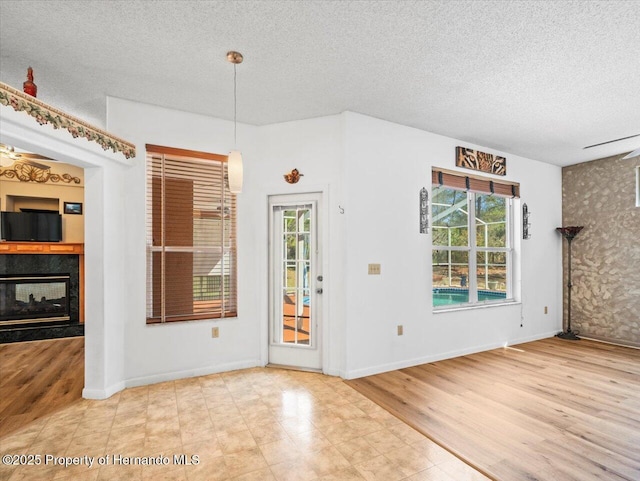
pixel 386 165
pixel 374 170
pixel 169 351
pixel 158 352
pixel 315 148
pixel 371 168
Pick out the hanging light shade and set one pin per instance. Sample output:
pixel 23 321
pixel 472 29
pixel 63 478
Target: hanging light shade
pixel 234 161
pixel 234 171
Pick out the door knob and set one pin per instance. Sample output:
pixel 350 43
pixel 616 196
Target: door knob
pixel 319 290
pixel 319 278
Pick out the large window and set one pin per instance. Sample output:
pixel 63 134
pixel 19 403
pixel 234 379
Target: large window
pixel 191 237
pixel 472 240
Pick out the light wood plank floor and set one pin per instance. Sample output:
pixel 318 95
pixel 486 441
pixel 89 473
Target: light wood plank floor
pixel 38 378
pixel 545 410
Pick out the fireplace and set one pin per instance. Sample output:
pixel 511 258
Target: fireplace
pixel 26 299
pixel 40 291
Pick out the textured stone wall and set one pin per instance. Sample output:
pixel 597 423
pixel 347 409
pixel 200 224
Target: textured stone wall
pixel 601 196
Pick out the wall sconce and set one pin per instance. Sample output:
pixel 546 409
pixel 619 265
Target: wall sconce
pixel 526 233
pixel 424 211
pixel 293 177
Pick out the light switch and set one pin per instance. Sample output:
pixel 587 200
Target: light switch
pixel 374 269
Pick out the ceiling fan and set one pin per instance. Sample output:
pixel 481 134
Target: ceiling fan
pixel 8 156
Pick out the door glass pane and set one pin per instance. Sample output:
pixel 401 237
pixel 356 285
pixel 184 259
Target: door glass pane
pixel 296 239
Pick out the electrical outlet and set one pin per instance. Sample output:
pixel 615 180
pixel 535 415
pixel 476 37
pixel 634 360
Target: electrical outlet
pixel 374 269
pixel 546 310
pixel 400 330
pixel 215 331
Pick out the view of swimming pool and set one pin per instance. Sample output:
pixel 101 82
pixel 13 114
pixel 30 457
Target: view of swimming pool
pixel 449 296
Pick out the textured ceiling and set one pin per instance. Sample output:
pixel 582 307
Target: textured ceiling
pixel 541 79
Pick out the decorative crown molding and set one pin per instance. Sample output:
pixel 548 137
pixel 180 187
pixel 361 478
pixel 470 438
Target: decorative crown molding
pixel 46 114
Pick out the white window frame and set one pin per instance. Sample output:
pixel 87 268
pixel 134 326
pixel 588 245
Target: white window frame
pixel 473 250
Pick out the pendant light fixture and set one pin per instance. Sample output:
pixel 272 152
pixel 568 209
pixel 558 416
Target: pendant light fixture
pixel 234 161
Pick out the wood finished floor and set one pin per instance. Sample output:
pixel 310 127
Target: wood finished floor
pixel 37 379
pixel 546 410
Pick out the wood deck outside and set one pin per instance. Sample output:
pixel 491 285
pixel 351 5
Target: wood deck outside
pixel 546 410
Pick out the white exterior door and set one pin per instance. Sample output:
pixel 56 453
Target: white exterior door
pixel 295 281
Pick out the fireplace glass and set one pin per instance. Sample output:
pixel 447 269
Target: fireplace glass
pixel 32 299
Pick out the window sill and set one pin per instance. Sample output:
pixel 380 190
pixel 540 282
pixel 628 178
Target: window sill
pixel 471 307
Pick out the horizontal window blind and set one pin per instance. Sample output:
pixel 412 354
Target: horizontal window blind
pixel 191 236
pixel 474 183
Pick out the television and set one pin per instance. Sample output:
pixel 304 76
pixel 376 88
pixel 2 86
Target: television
pixel 31 225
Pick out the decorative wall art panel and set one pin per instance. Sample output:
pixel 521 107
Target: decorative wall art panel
pixel 476 160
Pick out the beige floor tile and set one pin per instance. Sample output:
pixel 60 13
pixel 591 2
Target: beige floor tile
pixel 348 474
pixel 357 450
pixel 385 441
pixel 245 461
pixel 385 418
pixel 310 441
pixel 78 472
pixel 203 448
pixel 259 475
pixel 18 443
pixel 409 460
pixel 293 471
pixel 280 451
pixel 120 473
pixel 326 461
pixel 325 417
pixel 434 473
pixel 380 469
pixel 120 438
pixel 89 445
pixel 348 411
pixel 167 474
pixel 236 441
pixel 406 433
pixel 267 433
pixel 87 475
pixel 252 425
pixel 228 423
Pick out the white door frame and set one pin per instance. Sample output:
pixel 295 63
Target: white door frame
pixel 318 316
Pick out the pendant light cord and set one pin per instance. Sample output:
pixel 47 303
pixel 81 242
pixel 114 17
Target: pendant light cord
pixel 235 110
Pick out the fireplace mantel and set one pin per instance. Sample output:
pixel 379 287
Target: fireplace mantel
pixel 41 248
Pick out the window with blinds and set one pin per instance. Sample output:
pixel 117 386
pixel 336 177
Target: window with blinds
pixel 472 239
pixel 191 237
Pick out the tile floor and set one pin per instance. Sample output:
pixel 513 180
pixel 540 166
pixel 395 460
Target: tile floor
pixel 256 424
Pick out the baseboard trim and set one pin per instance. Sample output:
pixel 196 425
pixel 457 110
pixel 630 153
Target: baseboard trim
pixel 370 371
pixel 103 393
pixel 187 373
